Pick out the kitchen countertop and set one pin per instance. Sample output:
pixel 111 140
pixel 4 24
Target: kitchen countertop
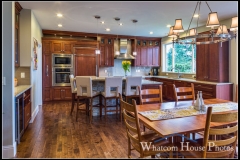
pixel 144 81
pixel 187 79
pixel 20 89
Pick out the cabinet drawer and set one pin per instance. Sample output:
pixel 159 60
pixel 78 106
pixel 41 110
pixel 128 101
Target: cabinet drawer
pixel 204 87
pixel 27 114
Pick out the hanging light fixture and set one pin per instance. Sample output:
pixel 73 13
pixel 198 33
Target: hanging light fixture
pixel 97 51
pixel 192 35
pixel 117 51
pixel 135 49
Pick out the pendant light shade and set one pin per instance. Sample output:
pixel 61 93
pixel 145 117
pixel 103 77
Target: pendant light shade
pixel 171 33
pixel 234 25
pixel 193 32
pixel 222 29
pixel 212 20
pixel 178 26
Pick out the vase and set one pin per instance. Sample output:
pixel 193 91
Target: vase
pixel 125 73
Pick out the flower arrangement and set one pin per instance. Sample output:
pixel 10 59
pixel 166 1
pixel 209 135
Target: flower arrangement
pixel 126 66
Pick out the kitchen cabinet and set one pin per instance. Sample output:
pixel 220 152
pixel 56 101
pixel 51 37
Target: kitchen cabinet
pixel 62 47
pixel 62 93
pixel 153 56
pixel 212 62
pixel 106 57
pixel 85 62
pixel 18 8
pixel 221 91
pixel 147 53
pixel 22 113
pixel 27 107
pixel 46 71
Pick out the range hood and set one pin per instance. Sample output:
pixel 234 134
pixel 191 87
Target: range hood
pixel 123 51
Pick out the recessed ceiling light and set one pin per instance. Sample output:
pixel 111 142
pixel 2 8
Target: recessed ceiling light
pixel 107 29
pixel 59 15
pixel 195 15
pixel 102 22
pixel 120 24
pixel 168 25
pixel 151 32
pixel 59 25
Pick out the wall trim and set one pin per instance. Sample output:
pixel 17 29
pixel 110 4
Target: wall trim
pixel 34 113
pixel 9 151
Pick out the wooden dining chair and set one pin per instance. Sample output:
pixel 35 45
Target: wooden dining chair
pixel 150 95
pixel 214 148
pixel 136 137
pixel 184 93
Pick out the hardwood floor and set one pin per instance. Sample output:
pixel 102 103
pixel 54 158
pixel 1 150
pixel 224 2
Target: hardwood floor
pixel 56 134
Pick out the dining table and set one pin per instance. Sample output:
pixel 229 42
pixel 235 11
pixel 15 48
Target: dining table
pixel 182 125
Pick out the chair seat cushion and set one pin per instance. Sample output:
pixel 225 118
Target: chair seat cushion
pixel 94 93
pixel 75 90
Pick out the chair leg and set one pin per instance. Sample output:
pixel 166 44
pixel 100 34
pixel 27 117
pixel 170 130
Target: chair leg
pixel 116 106
pixel 77 108
pixel 73 99
pixel 100 103
pixel 91 110
pixel 105 106
pixel 129 148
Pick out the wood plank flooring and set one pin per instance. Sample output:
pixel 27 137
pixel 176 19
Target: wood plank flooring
pixel 56 134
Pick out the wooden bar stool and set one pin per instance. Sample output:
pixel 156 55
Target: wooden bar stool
pixel 113 86
pixel 84 90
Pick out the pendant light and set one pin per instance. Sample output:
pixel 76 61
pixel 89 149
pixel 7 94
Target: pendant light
pixel 117 51
pixel 97 51
pixel 135 49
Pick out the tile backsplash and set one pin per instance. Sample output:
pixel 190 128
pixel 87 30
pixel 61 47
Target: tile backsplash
pixel 117 70
pixel 26 71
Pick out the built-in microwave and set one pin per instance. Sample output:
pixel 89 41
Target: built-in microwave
pixel 62 60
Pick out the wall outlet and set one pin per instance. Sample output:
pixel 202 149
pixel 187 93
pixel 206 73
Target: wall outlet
pixel 22 75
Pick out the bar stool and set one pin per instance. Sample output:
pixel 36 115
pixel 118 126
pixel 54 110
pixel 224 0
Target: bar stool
pixel 84 90
pixel 131 89
pixel 113 86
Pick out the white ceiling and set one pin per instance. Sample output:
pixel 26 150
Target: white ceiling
pixel 152 15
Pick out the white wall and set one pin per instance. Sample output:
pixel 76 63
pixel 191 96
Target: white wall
pixel 8 111
pixel 30 29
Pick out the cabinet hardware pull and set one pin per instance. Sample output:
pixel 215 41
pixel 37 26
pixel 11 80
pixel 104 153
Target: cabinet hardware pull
pixel 47 70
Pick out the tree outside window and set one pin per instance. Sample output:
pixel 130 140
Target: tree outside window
pixel 181 58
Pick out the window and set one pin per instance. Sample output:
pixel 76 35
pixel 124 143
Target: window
pixel 181 58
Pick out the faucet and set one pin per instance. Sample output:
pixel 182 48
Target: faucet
pixel 179 76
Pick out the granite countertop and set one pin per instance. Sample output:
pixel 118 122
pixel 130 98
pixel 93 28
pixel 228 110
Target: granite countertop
pixel 187 79
pixel 20 89
pixel 144 81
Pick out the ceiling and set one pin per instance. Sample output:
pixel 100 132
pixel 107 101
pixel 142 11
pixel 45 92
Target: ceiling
pixel 152 16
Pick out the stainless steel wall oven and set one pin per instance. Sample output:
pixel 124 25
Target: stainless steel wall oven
pixel 62 67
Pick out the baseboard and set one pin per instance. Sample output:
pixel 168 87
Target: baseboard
pixel 9 151
pixel 34 114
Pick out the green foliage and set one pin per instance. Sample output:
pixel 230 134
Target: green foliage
pixel 182 57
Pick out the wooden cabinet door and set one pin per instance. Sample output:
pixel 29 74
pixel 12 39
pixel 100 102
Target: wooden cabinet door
pixel 67 47
pixel 144 56
pixel 27 114
pixel 150 56
pixel 57 93
pixel 109 58
pixel 137 60
pixel 201 61
pixel 156 57
pixel 85 65
pixel 47 94
pixel 66 93
pixel 102 56
pixel 213 65
pixel 169 88
pixel 57 47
